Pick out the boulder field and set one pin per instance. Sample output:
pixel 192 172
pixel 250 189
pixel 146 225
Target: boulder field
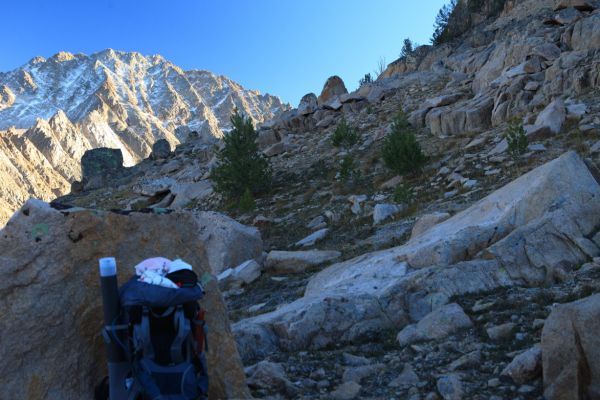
pixel 531 232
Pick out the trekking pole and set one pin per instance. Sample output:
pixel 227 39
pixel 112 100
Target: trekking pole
pixel 118 367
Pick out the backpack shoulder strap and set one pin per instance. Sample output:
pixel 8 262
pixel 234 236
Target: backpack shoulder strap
pixel 200 331
pixel 183 329
pixel 141 335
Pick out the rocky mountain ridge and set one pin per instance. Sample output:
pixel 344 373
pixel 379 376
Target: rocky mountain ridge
pixel 53 110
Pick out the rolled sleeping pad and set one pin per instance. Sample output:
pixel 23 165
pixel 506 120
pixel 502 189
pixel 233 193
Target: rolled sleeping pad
pixel 118 366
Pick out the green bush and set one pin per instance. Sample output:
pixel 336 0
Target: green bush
pixel 516 138
pixel 349 169
pixel 403 194
pixel 365 80
pixel 344 135
pixel 401 152
pixel 241 167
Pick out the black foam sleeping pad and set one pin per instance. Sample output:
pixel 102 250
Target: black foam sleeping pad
pixel 183 278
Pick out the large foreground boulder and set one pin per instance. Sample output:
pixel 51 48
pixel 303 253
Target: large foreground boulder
pixel 571 351
pixel 50 305
pixel 533 231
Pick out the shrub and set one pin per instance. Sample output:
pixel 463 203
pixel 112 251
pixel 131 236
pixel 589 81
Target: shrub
pixel 241 167
pixel 381 67
pixel 367 79
pixel 349 169
pixel 403 194
pixel 344 135
pixel 401 152
pixel 516 138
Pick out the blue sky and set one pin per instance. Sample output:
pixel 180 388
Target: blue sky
pixel 286 48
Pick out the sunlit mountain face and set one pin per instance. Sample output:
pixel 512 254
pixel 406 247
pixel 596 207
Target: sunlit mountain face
pixel 53 110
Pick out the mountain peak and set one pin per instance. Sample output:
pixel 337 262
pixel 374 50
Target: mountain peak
pixel 37 60
pixel 60 120
pixel 62 56
pixel 108 52
pixel 41 124
pixel 59 116
pixel 126 86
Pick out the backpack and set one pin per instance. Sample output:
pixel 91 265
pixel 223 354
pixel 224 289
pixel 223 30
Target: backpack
pixel 166 344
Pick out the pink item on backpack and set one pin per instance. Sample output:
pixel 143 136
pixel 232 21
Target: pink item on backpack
pixel 159 265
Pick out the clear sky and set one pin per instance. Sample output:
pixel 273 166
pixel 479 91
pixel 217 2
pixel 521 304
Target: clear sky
pixel 283 47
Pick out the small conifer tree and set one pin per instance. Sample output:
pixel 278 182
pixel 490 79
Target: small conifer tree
pixel 349 169
pixel 241 167
pixel 516 139
pixel 401 151
pixel 403 194
pixel 344 135
pixel 407 48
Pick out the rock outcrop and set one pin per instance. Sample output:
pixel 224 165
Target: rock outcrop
pixel 51 310
pixel 228 243
pixel 437 324
pixel 98 165
pixel 160 149
pixel 571 351
pixel 298 261
pixel 308 104
pixel 532 231
pixel 334 86
pixel 526 366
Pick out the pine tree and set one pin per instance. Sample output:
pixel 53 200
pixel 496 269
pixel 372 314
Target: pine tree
pixel 344 135
pixel 407 48
pixel 241 167
pixel 401 151
pixel 440 33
